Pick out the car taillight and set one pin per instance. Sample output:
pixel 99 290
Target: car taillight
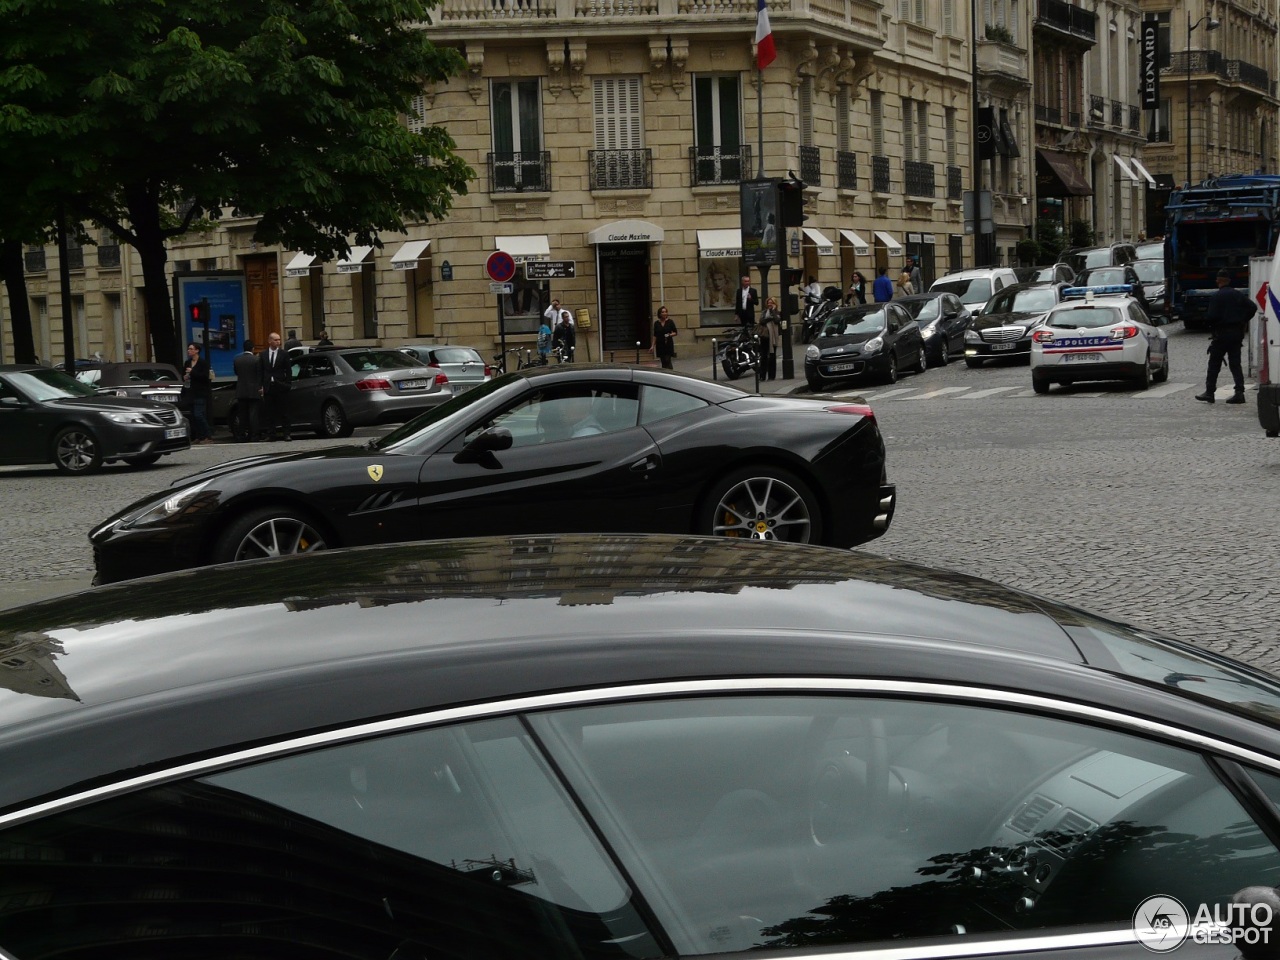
pixel 857 409
pixel 441 379
pixel 1043 336
pixel 488 371
pixel 1124 333
pixel 373 383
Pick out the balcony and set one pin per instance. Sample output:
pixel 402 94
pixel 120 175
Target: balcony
pixel 811 166
pixel 620 169
pixel 1201 62
pixel 527 171
pixel 711 166
pixel 1117 114
pixel 1067 20
pixel 955 185
pixel 1048 114
pixel 33 260
pixel 919 179
pixel 109 256
pixel 1005 60
pixel 1135 119
pixel 880 174
pixel 1097 111
pixel 75 258
pixel 846 170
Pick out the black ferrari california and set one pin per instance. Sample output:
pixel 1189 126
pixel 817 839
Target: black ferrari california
pixel 623 747
pixel 549 450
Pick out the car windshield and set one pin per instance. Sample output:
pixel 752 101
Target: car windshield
pixel 401 436
pixel 365 360
pixel 969 289
pixel 1097 258
pixel 844 323
pixel 89 376
pixel 1033 300
pixel 456 355
pixel 1104 276
pixel 1045 274
pixel 1082 318
pixel 50 385
pixel 923 310
pixel 1151 250
pixel 1149 271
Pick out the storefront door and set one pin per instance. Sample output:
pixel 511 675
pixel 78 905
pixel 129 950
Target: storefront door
pixel 625 308
pixel 262 281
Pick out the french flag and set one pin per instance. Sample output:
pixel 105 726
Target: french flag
pixel 766 53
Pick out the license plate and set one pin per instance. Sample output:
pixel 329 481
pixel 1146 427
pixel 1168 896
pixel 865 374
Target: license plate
pixel 173 433
pixel 1081 357
pixel 462 387
pixel 413 384
pixel 837 367
pixel 1003 346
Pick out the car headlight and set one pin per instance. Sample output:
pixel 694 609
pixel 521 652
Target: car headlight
pixel 811 352
pixel 125 416
pixel 158 511
pixel 872 346
pixel 930 330
pixel 971 336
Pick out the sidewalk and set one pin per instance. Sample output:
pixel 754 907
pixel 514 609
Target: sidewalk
pixel 695 358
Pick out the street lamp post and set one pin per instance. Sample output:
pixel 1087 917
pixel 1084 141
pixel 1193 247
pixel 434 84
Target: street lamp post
pixel 1210 23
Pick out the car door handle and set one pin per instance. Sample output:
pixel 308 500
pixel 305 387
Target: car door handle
pixel 645 465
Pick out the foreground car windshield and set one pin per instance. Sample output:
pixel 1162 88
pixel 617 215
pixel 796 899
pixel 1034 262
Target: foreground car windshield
pixel 975 290
pixel 844 324
pixel 50 385
pixel 1084 318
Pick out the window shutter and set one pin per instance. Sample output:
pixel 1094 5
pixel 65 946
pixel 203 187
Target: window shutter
pixel 416 120
pixel 950 126
pixel 908 132
pixel 600 113
pixel 877 123
pixel 806 112
pixel 632 100
pixel 842 120
pixel 948 18
pixel 922 131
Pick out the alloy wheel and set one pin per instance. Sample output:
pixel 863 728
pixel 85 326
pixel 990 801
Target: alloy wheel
pixel 763 508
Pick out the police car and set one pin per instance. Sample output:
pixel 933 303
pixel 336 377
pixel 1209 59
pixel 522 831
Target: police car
pixel 1098 333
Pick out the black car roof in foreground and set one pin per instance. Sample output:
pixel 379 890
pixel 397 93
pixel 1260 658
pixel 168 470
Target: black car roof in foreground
pixel 136 675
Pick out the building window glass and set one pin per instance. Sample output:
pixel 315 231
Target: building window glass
pixel 517 136
pixel 719 155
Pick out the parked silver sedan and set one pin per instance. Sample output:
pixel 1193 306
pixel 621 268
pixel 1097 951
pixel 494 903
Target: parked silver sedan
pixel 464 366
pixel 335 391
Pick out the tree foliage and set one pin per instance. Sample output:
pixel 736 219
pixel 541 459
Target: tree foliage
pixel 287 110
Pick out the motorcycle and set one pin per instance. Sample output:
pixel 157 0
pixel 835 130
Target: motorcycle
pixel 816 311
pixel 738 352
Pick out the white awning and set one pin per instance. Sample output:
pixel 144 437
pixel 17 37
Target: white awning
pixel 890 244
pixel 717 244
pixel 626 231
pixel 409 254
pixel 354 262
pixel 1124 167
pixel 522 249
pixel 1145 174
pixel 825 247
pixel 860 247
pixel 300 265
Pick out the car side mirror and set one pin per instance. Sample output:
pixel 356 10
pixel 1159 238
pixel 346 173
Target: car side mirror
pixel 481 449
pixel 12 402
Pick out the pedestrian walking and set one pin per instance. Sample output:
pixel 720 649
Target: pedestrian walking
pixel 664 338
pixel 903 287
pixel 857 289
pixel 197 380
pixel 913 268
pixel 544 341
pixel 1230 311
pixel 293 340
pixel 563 338
pixel 882 289
pixel 277 378
pixel 248 419
pixel 745 302
pixel 770 337
pixel 324 340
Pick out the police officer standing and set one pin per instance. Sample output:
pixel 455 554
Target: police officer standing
pixel 1229 314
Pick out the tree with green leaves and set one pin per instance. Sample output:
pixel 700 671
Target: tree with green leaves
pixel 161 112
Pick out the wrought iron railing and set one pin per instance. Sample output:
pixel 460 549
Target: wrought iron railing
pixel 1097 110
pixel 1135 119
pixel 714 165
pixel 1068 18
pixel 75 258
pixel 34 262
pixel 846 170
pixel 810 166
pixel 1048 114
pixel 1073 118
pixel 919 179
pixel 620 169
pixel 880 174
pixel 528 170
pixel 1117 113
pixel 109 256
pixel 955 185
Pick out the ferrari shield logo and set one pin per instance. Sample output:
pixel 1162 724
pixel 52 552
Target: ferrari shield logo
pixel 375 472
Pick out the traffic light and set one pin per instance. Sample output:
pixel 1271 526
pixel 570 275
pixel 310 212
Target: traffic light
pixel 791 301
pixel 791 202
pixel 792 276
pixel 199 312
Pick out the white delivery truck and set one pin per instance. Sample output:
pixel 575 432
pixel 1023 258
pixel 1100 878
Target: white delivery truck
pixel 1264 343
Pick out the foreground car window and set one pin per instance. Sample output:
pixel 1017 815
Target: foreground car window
pixel 807 822
pixel 50 385
pixel 443 843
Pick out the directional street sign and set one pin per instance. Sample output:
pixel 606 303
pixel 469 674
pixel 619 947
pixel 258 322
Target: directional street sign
pixel 550 269
pixel 500 266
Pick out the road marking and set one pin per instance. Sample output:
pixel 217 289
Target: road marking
pixel 937 393
pixel 988 392
pixel 890 393
pixel 1164 390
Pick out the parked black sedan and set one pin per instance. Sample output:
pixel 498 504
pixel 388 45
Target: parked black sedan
pixel 875 340
pixel 943 320
pixel 565 448
pixel 49 417
pixel 1012 316
pixel 620 748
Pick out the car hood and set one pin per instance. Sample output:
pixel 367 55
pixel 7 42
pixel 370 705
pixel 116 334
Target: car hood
pixel 1019 319
pixel 250 463
pixel 844 342
pixel 105 403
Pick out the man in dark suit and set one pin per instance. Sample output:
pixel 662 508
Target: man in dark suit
pixel 248 371
pixel 277 376
pixel 744 303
